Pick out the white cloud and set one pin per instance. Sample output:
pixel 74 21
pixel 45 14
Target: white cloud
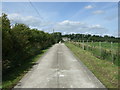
pixel 96 27
pixel 79 27
pixel 65 26
pixel 28 20
pixel 73 23
pixel 99 12
pixel 89 7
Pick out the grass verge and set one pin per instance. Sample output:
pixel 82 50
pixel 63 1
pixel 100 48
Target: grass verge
pixel 12 78
pixel 105 71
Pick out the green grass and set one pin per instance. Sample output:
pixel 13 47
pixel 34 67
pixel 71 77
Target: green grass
pixel 104 52
pixel 105 71
pixel 12 78
pixel 105 45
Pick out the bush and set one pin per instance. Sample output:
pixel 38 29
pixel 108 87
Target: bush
pixel 20 43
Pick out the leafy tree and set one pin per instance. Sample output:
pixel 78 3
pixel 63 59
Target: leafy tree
pixel 6 41
pixel 95 38
pixel 20 43
pixel 57 36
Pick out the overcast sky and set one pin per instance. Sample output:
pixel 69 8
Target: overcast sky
pixel 100 18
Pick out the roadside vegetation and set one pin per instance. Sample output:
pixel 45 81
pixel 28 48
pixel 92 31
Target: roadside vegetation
pixel 105 71
pixel 101 50
pixel 16 74
pixel 20 47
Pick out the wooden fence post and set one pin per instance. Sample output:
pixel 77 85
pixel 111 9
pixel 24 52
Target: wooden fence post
pixel 100 48
pixel 83 44
pixel 112 52
pixel 87 45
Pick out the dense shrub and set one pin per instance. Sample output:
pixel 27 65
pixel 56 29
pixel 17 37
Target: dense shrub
pixel 20 43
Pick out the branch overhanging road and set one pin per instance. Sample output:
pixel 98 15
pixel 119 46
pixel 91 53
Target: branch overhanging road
pixel 59 68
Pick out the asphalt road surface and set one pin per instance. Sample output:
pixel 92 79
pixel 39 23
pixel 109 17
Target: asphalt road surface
pixel 59 68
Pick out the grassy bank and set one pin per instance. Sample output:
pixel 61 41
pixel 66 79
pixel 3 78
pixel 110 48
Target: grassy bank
pixel 105 71
pixel 17 73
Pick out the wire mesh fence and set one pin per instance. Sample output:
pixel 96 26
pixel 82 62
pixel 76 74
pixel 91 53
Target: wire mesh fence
pixel 100 52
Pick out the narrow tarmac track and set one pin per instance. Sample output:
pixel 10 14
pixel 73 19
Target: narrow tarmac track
pixel 59 68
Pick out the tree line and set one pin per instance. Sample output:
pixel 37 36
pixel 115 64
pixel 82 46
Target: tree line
pixel 89 38
pixel 19 43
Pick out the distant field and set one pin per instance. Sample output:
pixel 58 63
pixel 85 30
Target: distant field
pixel 105 45
pixel 102 50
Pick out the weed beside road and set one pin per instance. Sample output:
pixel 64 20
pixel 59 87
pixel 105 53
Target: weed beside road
pixel 12 78
pixel 104 70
